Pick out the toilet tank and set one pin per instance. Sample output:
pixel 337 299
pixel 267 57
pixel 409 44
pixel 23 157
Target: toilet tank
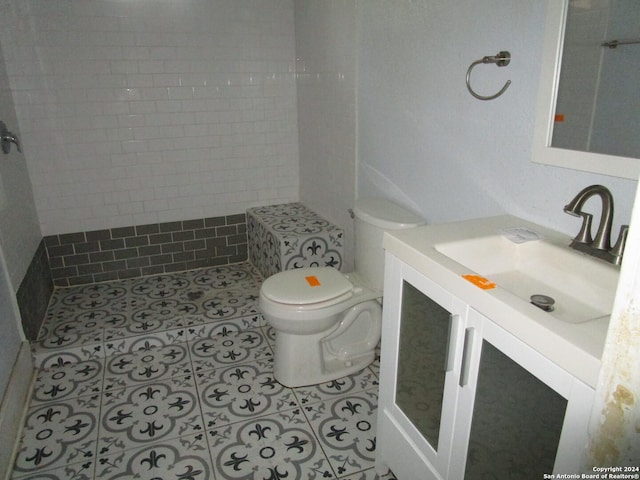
pixel 374 216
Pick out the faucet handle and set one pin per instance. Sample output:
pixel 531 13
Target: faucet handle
pixel 618 248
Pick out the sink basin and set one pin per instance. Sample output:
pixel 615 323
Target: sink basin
pixel 583 287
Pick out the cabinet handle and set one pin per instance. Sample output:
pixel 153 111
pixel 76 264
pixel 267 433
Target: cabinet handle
pixel 454 326
pixel 466 355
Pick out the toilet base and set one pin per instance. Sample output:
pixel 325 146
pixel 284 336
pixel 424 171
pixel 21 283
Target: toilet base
pixel 316 368
pixel 347 347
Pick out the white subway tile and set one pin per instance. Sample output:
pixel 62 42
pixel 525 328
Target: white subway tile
pixel 142 107
pixel 129 208
pixel 134 146
pixel 155 110
pixel 142 195
pixel 130 52
pixel 169 106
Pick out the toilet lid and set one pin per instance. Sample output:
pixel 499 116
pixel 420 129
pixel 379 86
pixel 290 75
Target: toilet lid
pixel 303 286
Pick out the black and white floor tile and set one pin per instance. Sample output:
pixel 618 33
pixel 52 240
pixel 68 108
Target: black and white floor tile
pixel 171 377
pixel 286 236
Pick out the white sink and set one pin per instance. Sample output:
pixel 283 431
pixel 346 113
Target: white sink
pixel 583 287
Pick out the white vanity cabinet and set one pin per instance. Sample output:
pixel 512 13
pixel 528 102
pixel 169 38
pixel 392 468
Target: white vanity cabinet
pixel 461 398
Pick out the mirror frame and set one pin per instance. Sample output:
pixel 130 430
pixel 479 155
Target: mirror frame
pixel 543 152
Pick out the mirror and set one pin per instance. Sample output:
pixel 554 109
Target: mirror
pixel 598 104
pixel 554 147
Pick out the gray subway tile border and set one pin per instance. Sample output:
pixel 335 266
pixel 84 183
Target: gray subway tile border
pixel 134 251
pixel 34 292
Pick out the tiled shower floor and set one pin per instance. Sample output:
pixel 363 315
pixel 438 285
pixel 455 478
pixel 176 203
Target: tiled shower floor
pixel 170 377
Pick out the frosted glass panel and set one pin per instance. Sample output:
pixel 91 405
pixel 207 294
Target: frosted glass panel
pixel 517 421
pixel 424 335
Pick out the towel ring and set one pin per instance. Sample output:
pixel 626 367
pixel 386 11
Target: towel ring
pixel 502 59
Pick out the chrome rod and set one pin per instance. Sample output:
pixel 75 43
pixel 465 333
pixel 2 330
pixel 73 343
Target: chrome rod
pixel 502 59
pixel 616 43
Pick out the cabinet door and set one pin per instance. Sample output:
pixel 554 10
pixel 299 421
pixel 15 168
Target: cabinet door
pixel 521 405
pixel 420 362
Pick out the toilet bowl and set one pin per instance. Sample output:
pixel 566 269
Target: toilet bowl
pixel 328 323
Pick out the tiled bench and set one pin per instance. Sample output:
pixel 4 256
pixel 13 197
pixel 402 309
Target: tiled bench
pixel 288 236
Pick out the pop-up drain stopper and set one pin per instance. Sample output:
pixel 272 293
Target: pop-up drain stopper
pixel 545 302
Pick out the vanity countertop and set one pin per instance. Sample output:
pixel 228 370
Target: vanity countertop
pixel 575 347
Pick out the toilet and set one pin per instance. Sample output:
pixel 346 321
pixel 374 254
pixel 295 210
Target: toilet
pixel 328 323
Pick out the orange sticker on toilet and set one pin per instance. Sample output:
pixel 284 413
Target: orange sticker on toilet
pixel 480 282
pixel 312 281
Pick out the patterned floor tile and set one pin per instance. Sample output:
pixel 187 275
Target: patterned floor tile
pixel 154 411
pixel 354 383
pixel 375 365
pixel 85 345
pixel 181 458
pixel 346 429
pixel 370 474
pixel 68 381
pixel 129 304
pixel 230 348
pixel 90 297
pixel 147 365
pixel 208 328
pixel 75 471
pixel 270 333
pixel 158 287
pixel 64 320
pixel 59 433
pixel 171 376
pixel 230 303
pixel 226 276
pixel 239 392
pixel 93 321
pixel 156 316
pixel 55 358
pixel 138 343
pixel 281 445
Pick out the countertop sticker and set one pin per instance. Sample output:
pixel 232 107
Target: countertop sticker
pixel 480 282
pixel 520 234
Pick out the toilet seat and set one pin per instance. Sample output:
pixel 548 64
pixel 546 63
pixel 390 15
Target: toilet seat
pixel 310 287
pixel 312 311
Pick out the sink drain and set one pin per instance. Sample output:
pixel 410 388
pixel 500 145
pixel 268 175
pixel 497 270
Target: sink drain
pixel 544 302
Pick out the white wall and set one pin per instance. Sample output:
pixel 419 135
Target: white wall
pixel 423 140
pixel 424 135
pixel 19 230
pixel 136 112
pixel 19 238
pixel 153 110
pixel 326 65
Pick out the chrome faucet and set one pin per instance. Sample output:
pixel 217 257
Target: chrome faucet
pixel 600 246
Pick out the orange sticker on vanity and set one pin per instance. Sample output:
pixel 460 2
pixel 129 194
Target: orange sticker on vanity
pixel 480 282
pixel 312 281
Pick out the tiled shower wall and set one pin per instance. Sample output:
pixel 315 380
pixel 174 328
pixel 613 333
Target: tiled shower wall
pixel 34 293
pixel 153 111
pixel 126 252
